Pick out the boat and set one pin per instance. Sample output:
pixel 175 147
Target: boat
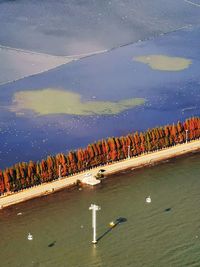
pixel 30 237
pixel 148 199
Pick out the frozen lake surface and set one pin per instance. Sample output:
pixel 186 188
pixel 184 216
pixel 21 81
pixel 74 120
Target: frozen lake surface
pixel 112 77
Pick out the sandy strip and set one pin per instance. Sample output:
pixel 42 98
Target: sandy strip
pixel 143 160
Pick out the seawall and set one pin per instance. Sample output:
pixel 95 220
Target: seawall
pixel 135 162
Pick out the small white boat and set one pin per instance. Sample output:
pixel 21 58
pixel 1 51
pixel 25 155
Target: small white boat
pixel 30 237
pixel 148 199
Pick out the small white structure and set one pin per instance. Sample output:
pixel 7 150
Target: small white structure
pixel 30 237
pixel 94 209
pixel 148 199
pixel 59 172
pixel 112 224
pixel 186 136
pixel 90 180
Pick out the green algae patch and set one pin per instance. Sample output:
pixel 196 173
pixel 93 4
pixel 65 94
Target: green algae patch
pixel 164 63
pixel 52 101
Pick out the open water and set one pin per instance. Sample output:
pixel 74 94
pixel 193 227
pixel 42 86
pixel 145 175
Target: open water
pixel 164 233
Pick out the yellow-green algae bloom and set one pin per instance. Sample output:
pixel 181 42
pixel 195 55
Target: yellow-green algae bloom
pixel 51 101
pixel 164 63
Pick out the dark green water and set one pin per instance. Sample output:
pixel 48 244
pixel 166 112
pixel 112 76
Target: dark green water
pixel 152 236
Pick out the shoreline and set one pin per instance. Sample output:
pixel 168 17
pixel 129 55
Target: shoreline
pixel 132 163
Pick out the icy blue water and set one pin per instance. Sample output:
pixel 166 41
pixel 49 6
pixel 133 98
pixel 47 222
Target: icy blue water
pixel 170 96
pixel 76 26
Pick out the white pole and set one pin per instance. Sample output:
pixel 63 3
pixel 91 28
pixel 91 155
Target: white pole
pixel 94 209
pixel 94 225
pixel 128 152
pixel 59 171
pixel 186 138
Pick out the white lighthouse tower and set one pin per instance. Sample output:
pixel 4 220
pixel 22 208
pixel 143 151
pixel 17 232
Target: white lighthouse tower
pixel 94 209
